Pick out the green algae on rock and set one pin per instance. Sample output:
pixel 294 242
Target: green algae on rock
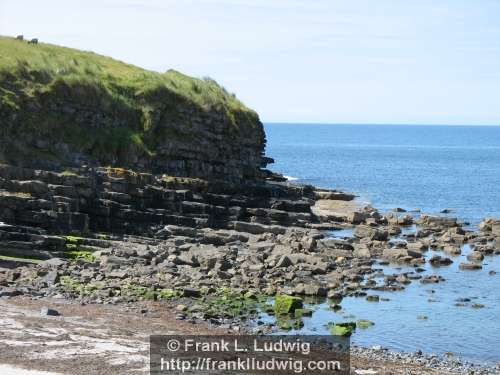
pixel 284 305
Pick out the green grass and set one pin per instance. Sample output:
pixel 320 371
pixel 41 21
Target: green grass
pixel 135 108
pixel 43 64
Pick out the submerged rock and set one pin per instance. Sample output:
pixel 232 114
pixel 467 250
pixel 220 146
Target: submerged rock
pixel 438 260
pixel 342 329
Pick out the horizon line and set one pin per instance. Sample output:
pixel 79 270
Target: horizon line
pixel 374 124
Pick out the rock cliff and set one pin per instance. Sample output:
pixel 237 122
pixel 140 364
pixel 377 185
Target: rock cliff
pixel 61 108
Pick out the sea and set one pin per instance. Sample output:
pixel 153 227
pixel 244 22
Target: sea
pixel 414 167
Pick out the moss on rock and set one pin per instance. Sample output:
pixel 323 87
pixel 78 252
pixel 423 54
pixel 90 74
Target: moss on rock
pixel 284 305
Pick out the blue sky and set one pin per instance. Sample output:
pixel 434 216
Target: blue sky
pixel 354 61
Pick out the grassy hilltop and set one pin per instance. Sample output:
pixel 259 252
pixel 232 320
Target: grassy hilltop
pixel 113 112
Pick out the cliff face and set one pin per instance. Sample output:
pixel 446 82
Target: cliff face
pixel 63 108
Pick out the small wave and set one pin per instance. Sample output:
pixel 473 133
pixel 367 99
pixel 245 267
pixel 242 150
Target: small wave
pixel 290 178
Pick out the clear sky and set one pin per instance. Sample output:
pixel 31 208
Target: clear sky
pixel 355 61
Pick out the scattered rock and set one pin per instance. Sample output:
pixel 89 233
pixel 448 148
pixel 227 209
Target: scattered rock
pixel 470 266
pixel 46 311
pixel 475 256
pixel 438 260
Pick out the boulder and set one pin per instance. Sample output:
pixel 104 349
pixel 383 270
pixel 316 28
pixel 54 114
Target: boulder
pixel 437 222
pixel 46 311
pixel 438 260
pixel 284 262
pixel 400 254
pixel 342 329
pixel 432 279
pixel 490 225
pixel 475 256
pixel 361 251
pixel 470 266
pixel 452 250
pixel 284 304
pixel 374 234
pixel 310 289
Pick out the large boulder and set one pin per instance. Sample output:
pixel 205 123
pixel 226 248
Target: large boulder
pixel 437 222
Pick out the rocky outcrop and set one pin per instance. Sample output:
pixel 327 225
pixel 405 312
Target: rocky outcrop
pixel 121 201
pixel 63 108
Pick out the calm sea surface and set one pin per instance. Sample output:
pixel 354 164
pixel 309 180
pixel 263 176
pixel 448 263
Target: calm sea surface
pixel 425 167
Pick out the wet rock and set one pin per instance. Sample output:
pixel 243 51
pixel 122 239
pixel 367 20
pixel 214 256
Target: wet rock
pixel 373 298
pixel 401 254
pixel 364 324
pixel 356 217
pixel 437 222
pixel 487 248
pixel 432 279
pixel 284 304
pixel 398 209
pixel 397 219
pixel 470 266
pixel 403 279
pixel 452 250
pixel 342 329
pixel 438 260
pixel 490 225
pixel 475 256
pixel 374 234
pixel 335 307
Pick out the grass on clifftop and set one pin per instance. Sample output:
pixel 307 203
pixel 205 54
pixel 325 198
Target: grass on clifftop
pixel 43 62
pixel 96 106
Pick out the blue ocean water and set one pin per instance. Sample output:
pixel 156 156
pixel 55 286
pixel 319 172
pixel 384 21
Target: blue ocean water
pixel 426 167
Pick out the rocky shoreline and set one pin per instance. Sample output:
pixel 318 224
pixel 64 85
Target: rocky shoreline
pixel 443 364
pixel 113 338
pixel 125 192
pixel 219 253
